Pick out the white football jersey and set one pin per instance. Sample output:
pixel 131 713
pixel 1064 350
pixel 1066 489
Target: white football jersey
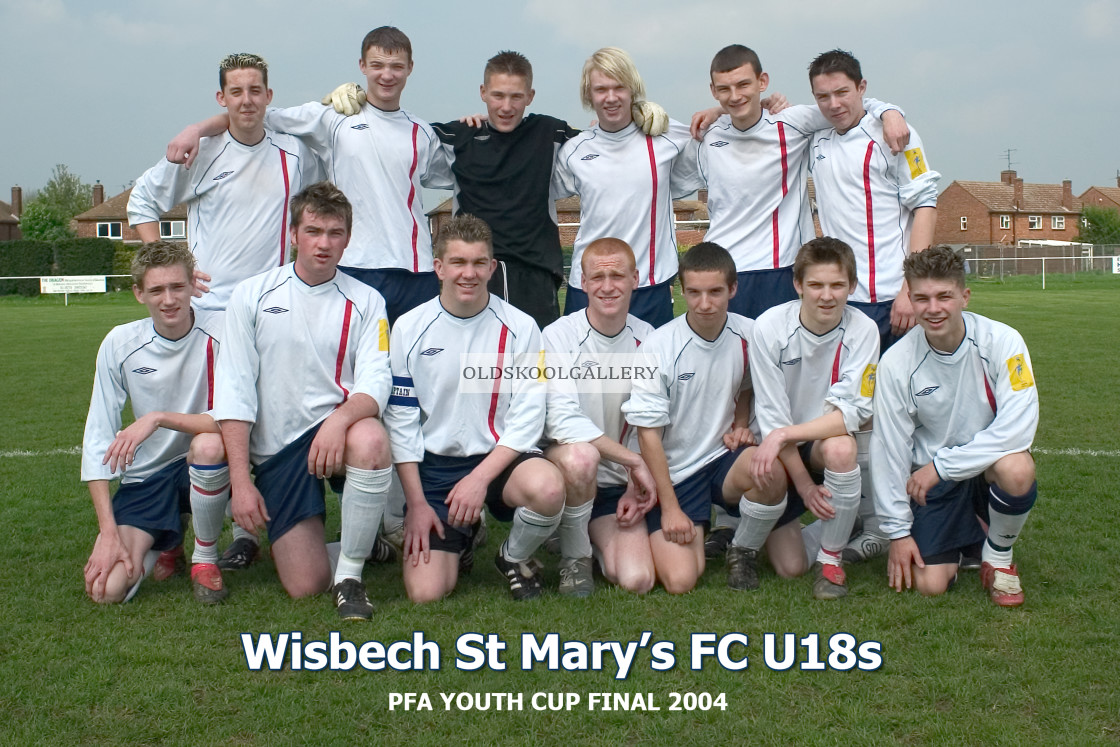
pixel 380 160
pixel 136 364
pixel 581 413
pixel 237 199
pixel 626 182
pixel 432 351
pixel 866 197
pixel 962 411
pixel 294 352
pixel 799 376
pixel 694 392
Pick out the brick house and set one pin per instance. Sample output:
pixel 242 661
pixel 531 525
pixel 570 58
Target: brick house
pixel 9 216
pixel 109 219
pixel 1108 197
pixel 1006 212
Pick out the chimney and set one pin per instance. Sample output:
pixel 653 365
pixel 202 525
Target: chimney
pixel 1067 194
pixel 1007 176
pixel 702 195
pixel 1018 193
pixel 98 193
pixel 17 199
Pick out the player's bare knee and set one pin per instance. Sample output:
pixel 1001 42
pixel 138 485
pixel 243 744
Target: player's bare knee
pixel 543 488
pixel 839 453
pixel 367 445
pixel 578 462
pixel 933 580
pixel 636 579
pixel 306 585
pixel 679 581
pixel 1014 473
pixel 790 567
pixel 207 448
pixel 424 587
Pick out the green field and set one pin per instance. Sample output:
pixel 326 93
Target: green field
pixel 955 670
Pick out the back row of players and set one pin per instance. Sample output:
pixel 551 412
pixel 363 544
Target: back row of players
pixel 456 452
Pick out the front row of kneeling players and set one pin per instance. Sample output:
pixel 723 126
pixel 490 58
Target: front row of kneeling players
pixel 307 375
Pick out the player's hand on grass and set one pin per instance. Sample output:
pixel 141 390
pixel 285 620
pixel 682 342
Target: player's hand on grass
pixel 474 120
pixel 200 283
pixel 327 455
pixel 123 449
pixel 108 550
pixel 347 99
pixel 921 482
pixel 774 103
pixel 464 502
pixel 902 313
pixel 818 499
pixel 651 118
pixel 904 554
pixel 896 133
pixel 702 120
pixel 184 147
pixel 419 523
pixel 677 526
pixel 248 508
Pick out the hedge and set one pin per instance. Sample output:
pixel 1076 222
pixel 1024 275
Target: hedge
pixel 24 257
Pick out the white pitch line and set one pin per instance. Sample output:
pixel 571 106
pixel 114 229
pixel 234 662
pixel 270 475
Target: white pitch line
pixel 52 452
pixel 76 450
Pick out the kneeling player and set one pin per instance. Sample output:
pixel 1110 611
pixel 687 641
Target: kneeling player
pixel 302 379
pixel 163 365
pixel 457 451
pixel 956 410
pixel 585 419
pixel 693 418
pixel 813 368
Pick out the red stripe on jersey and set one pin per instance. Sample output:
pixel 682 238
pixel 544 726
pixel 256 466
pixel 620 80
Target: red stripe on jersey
pixel 785 187
pixel 870 219
pixel 653 209
pixel 343 339
pixel 209 373
pixel 836 364
pixel 284 209
pixel 411 195
pixel 746 358
pixel 497 383
pixel 991 396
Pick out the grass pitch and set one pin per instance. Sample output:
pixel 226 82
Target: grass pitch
pixel 955 670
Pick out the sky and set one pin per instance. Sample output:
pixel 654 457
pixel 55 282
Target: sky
pixel 102 87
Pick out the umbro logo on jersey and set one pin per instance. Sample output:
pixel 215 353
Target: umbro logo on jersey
pixel 686 376
pixel 362 126
pixel 222 175
pixel 143 371
pixel 591 157
pixel 820 157
pixel 275 310
pixel 793 362
pixel 589 364
pixel 432 351
pixel 720 143
pixel 927 391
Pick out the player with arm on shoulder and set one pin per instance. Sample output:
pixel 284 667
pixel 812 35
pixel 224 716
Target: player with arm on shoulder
pixel 813 369
pixel 171 456
pixel 607 485
pixel 754 162
pixel 626 181
pixel 693 418
pixel 302 380
pixel 882 204
pixel 381 158
pixel 956 410
pixel 458 450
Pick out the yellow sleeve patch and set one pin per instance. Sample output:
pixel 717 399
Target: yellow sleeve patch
pixel 867 381
pixel 917 162
pixel 383 335
pixel 1019 372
